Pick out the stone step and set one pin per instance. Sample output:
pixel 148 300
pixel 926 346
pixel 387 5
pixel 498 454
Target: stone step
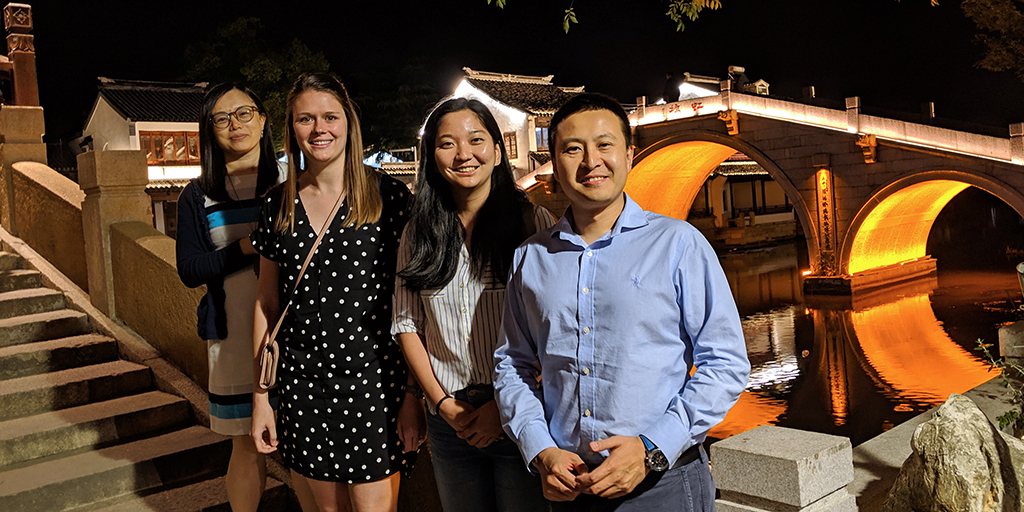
pixel 205 496
pixel 46 392
pixel 56 355
pixel 43 326
pixel 9 260
pixel 29 302
pixel 19 279
pixel 91 425
pixel 148 464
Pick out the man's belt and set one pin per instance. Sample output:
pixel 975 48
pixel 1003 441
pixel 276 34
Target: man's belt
pixel 690 455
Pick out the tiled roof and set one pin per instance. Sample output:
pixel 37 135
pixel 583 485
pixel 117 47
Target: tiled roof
pixel 535 95
pixel 541 157
pixel 167 184
pixel 154 101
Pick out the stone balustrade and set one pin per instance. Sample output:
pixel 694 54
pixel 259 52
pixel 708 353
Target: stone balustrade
pixel 774 468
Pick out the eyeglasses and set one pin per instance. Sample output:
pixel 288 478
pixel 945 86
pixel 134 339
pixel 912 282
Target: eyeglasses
pixel 242 114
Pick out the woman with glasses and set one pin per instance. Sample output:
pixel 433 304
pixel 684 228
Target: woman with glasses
pixel 341 375
pixel 216 213
pixel 468 217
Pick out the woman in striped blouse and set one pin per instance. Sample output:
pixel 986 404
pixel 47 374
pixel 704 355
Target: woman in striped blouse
pixel 468 218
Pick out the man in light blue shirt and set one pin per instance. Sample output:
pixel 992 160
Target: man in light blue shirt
pixel 617 305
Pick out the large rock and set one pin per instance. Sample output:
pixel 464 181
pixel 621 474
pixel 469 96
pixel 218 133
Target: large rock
pixel 960 463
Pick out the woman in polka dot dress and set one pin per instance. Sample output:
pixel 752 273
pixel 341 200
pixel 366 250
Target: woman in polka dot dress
pixel 341 376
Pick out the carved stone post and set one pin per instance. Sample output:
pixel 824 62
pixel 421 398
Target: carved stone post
pixel 1017 143
pixel 22 52
pixel 115 191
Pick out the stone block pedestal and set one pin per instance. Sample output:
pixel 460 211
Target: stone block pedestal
pixel 781 469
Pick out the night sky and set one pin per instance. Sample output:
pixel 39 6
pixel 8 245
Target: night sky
pixel 894 55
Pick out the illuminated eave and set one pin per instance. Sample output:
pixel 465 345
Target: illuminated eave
pixel 466 90
pixel 173 172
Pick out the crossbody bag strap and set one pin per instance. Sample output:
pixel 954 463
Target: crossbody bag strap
pixel 302 271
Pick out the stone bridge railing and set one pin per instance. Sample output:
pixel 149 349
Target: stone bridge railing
pixel 99 234
pixel 1010 150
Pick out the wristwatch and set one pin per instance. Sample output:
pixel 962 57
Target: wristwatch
pixel 655 460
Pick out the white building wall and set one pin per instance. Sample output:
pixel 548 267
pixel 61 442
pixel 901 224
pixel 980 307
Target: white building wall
pixel 109 131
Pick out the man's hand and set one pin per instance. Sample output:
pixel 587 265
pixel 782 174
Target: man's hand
pixel 621 472
pixel 559 470
pixel 484 427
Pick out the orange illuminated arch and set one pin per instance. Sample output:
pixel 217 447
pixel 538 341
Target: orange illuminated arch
pixel 897 229
pixel 893 226
pixel 668 174
pixel 669 179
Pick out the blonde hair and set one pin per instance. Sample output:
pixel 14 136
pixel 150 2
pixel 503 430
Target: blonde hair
pixel 364 201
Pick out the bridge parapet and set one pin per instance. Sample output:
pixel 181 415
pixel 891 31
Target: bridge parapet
pixel 1009 150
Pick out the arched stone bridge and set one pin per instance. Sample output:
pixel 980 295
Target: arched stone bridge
pixel 866 189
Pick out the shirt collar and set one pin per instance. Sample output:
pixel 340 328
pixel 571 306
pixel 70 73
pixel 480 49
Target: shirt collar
pixel 632 217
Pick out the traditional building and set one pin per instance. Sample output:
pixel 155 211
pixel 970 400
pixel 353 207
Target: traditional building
pixel 523 106
pixel 160 118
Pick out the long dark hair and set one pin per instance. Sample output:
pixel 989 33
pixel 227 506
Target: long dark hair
pixel 211 163
pixel 361 185
pixel 435 231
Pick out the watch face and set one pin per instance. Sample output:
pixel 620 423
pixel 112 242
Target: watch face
pixel 657 461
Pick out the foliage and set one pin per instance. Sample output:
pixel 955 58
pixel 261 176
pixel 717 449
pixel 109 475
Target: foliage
pixel 393 103
pixel 1012 378
pixel 681 10
pixel 238 51
pixel 1003 22
pixel 569 16
pixel 677 10
pixel 690 9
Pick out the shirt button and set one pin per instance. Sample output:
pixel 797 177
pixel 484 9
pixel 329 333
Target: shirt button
pixel 586 371
pixel 586 330
pixel 590 254
pixel 462 284
pixel 463 309
pixel 586 290
pixel 586 413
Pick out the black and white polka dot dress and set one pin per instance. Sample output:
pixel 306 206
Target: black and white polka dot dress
pixel 341 375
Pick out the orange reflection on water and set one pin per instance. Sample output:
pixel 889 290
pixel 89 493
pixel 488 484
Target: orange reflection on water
pixel 912 355
pixel 667 181
pixel 897 229
pixel 751 411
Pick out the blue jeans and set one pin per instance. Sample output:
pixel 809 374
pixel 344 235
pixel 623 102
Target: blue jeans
pixel 687 488
pixel 489 479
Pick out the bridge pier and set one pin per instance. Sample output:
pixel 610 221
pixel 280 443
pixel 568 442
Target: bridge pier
pixel 869 280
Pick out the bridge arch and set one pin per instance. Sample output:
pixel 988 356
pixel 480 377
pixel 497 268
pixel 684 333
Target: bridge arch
pixel 894 224
pixel 659 183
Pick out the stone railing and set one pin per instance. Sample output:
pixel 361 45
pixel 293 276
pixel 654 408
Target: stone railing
pixel 150 298
pixel 99 234
pixel 1010 150
pixel 49 217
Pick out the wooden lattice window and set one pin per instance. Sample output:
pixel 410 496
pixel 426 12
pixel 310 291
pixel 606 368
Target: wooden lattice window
pixel 510 145
pixel 170 148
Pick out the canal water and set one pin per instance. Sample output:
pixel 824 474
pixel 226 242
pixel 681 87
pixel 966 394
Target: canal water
pixel 856 368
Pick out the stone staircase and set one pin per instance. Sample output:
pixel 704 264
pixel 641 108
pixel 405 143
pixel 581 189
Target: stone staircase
pixel 81 429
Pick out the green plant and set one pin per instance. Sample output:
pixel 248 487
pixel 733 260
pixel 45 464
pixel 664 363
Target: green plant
pixel 1012 378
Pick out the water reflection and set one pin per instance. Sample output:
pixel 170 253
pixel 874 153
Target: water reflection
pixel 855 367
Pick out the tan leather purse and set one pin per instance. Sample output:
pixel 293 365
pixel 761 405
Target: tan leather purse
pixel 270 352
